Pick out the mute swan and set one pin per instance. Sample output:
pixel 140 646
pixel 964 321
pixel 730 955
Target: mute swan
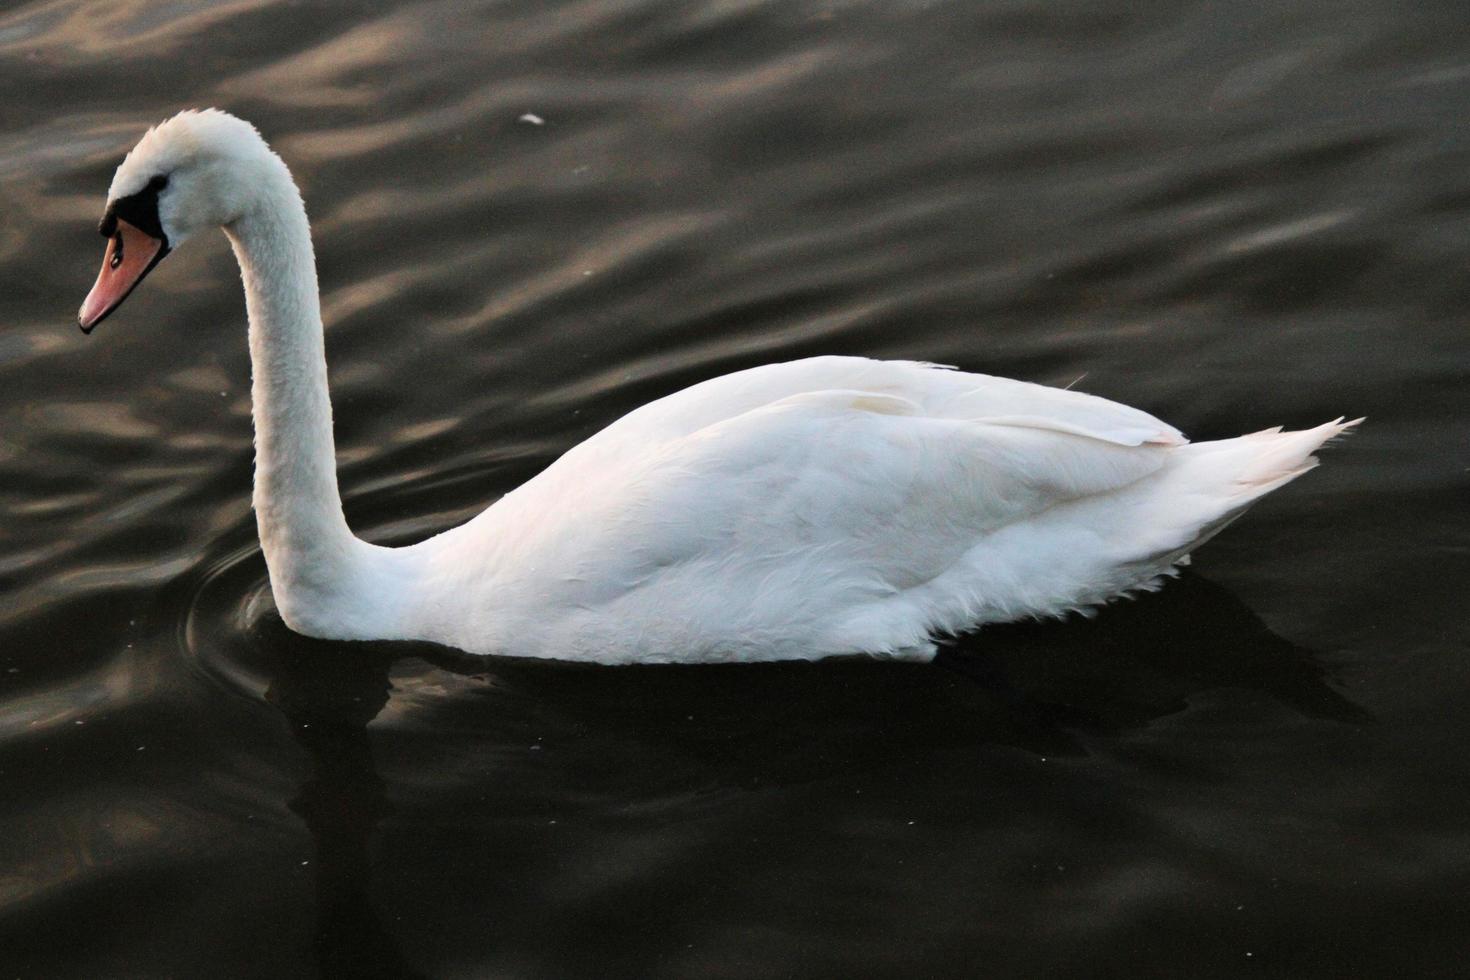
pixel 793 511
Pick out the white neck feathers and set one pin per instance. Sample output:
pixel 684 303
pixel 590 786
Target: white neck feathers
pixel 318 569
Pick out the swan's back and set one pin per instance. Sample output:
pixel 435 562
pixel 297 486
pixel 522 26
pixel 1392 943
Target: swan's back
pixel 938 391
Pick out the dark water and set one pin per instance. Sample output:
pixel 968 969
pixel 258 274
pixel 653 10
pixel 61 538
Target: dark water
pixel 1230 215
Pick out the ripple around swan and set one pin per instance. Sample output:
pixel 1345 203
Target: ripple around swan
pixel 231 634
pixel 231 594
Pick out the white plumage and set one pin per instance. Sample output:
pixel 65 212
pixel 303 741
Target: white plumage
pixel 794 511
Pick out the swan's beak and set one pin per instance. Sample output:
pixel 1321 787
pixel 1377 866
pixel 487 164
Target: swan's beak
pixel 131 255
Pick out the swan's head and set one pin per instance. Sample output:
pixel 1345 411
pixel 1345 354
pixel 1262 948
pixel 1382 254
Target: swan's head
pixel 200 169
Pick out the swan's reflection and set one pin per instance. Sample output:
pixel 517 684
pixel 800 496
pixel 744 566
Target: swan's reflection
pixel 1142 659
pixel 328 697
pixel 636 733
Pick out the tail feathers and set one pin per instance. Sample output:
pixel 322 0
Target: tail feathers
pixel 1274 458
pixel 1207 485
pixel 1133 535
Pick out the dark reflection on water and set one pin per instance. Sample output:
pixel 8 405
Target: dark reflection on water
pixel 1232 216
pixel 1048 690
pixel 328 702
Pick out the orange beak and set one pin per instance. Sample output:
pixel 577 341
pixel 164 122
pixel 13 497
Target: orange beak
pixel 131 255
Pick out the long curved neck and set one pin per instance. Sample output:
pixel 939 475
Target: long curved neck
pixel 311 553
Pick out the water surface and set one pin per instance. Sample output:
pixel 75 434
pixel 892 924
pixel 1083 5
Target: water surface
pixel 1232 217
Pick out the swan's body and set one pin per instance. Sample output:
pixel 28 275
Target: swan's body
pixel 794 511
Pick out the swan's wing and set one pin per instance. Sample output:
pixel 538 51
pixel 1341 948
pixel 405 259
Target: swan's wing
pixel 938 392
pixel 862 485
pixel 840 451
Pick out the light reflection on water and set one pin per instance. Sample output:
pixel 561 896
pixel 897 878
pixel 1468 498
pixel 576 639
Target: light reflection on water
pixel 1232 218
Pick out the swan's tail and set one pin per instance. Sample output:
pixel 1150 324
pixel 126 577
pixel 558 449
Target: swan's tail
pixel 1080 554
pixel 1153 525
pixel 1206 485
pixel 1238 472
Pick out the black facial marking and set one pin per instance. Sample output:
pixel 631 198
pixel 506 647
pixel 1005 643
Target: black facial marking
pixel 139 210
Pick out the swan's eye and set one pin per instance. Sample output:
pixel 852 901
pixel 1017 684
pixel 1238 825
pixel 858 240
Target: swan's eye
pixel 158 183
pixel 116 251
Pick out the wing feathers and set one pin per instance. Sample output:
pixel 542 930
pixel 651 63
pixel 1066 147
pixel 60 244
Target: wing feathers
pixel 936 391
pixel 1121 435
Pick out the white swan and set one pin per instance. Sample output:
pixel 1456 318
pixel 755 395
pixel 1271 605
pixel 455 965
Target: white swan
pixel 794 511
